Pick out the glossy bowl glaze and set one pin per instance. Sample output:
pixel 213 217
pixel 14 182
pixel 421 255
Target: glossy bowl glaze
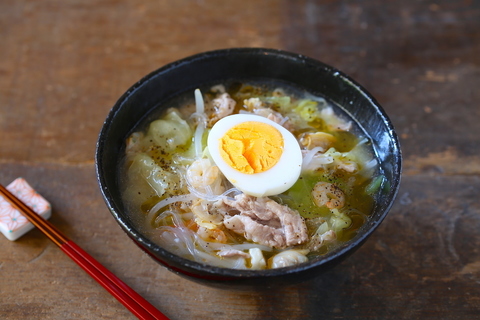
pixel 254 64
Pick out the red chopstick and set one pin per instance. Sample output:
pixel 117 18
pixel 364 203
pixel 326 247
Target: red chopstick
pixel 140 307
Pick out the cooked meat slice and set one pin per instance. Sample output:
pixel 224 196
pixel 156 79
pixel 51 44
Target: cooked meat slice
pixel 275 117
pixel 264 221
pixel 223 106
pixel 233 253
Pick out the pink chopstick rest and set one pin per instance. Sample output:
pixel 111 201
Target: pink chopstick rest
pixel 13 224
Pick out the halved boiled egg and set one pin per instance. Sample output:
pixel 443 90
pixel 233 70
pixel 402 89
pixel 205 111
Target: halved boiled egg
pixel 257 155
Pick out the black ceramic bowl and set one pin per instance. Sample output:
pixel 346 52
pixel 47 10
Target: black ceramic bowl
pixel 252 64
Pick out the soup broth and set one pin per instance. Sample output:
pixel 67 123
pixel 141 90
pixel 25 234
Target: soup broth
pixel 190 202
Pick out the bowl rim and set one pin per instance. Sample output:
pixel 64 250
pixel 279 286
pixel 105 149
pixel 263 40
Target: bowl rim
pixel 140 239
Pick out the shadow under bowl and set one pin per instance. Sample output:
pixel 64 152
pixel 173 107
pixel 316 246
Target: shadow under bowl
pixel 245 64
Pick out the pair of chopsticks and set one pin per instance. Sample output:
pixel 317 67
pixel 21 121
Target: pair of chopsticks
pixel 140 307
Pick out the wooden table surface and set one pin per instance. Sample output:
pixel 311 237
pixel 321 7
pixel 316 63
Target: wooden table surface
pixel 63 64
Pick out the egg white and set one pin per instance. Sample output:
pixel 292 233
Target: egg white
pixel 273 181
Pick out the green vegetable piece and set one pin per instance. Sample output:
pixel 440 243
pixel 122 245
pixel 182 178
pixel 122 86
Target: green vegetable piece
pixel 375 185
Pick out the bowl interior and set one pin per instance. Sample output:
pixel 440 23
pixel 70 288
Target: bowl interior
pixel 244 64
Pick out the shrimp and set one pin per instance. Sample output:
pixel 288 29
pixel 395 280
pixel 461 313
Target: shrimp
pixel 201 173
pixel 329 195
pixel 216 235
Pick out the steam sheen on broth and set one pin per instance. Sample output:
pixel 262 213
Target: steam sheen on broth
pixel 250 176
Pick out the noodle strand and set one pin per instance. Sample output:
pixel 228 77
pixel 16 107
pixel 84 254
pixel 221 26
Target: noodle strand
pixel 168 201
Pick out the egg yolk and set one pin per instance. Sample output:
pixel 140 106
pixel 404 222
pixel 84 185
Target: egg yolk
pixel 251 147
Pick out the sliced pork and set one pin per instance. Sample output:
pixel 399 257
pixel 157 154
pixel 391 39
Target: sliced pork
pixel 264 221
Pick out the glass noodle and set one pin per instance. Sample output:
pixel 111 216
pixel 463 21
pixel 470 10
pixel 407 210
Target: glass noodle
pixel 180 199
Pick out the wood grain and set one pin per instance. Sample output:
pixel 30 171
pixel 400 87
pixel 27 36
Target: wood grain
pixel 63 64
